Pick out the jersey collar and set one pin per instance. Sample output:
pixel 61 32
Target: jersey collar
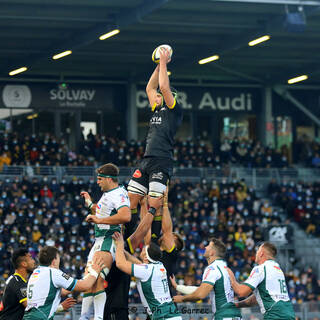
pixel 19 275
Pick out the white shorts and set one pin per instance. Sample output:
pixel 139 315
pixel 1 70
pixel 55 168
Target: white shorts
pixel 103 244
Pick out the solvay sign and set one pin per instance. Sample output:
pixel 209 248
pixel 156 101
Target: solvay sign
pixel 200 99
pixel 72 98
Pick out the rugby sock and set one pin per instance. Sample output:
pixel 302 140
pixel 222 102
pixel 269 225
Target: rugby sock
pixel 87 306
pixel 156 229
pixel 99 300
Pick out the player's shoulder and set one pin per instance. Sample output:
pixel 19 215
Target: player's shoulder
pixel 257 270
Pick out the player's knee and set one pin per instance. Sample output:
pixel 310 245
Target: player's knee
pixel 156 189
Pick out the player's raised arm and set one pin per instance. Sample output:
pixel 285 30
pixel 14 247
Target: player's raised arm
pixel 164 82
pixel 144 226
pixel 88 202
pixel 167 228
pixel 152 87
pixel 122 263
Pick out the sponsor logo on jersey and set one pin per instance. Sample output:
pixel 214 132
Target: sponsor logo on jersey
pixel 66 276
pixel 158 176
pixel 156 120
pixel 164 272
pixel 137 174
pixel 36 273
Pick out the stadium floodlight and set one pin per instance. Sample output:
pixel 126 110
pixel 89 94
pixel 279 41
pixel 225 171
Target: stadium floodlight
pixel 209 59
pixel 61 55
pixel 298 79
pixel 14 72
pixel 109 34
pixel 259 40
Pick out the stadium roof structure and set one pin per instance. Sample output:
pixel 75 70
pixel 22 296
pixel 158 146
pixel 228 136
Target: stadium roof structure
pixel 32 31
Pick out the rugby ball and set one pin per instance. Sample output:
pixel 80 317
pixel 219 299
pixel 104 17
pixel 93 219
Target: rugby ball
pixel 156 52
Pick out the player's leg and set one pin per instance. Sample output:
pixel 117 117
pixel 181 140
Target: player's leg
pixel 158 180
pixel 137 189
pixel 99 294
pixel 87 301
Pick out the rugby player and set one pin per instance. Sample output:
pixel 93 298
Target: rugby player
pixel 268 284
pixel 156 167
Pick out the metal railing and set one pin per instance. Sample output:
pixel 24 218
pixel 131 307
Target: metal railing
pixel 197 311
pixel 258 177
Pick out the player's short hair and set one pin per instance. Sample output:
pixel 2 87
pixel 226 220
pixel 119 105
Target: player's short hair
pixel 109 169
pixel 47 254
pixel 154 251
pixel 179 242
pixel 18 256
pixel 220 247
pixel 271 248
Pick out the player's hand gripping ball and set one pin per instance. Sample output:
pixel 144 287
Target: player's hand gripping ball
pixel 156 52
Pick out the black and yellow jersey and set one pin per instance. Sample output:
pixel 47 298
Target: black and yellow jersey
pixel 163 126
pixel 15 292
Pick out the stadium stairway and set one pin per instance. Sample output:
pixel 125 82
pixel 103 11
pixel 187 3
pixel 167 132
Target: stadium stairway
pixel 307 249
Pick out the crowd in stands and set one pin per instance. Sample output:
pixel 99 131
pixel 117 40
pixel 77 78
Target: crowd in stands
pixel 301 202
pixel 34 213
pixel 45 149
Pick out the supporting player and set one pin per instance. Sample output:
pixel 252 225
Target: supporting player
pixel 14 298
pixel 118 282
pixel 152 280
pixel 156 166
pixel 268 284
pixel 47 283
pixel 215 281
pixel 114 208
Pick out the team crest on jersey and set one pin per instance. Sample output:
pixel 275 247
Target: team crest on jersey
pixel 137 174
pixel 1 306
pixel 23 292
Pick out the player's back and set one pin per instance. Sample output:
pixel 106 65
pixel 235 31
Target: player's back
pixel 155 294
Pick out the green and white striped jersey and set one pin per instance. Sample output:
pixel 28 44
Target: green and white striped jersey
pixel 222 294
pixel 269 285
pixel 154 290
pixel 44 292
pixel 108 205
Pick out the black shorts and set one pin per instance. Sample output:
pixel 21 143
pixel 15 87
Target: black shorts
pixel 153 169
